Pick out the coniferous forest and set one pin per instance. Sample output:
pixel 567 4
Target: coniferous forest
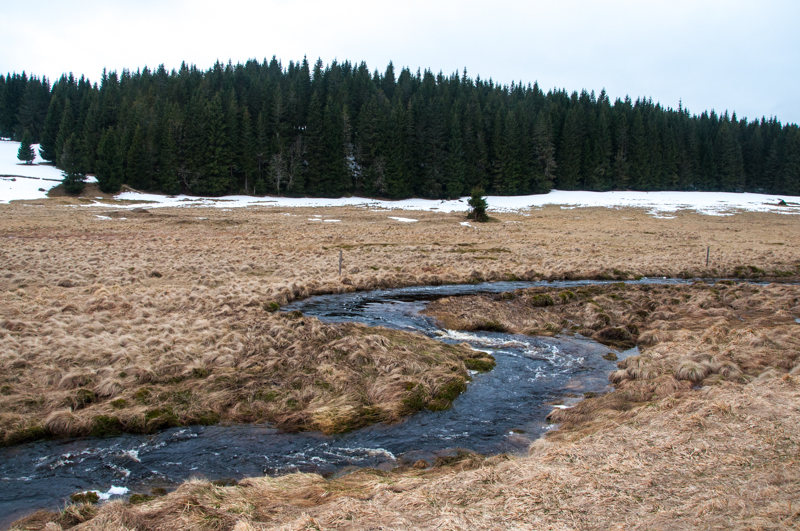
pixel 259 128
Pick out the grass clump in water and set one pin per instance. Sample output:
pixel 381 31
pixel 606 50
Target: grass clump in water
pixel 481 364
pixel 447 393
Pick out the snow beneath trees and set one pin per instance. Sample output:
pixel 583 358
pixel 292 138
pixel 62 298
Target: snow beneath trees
pixel 28 179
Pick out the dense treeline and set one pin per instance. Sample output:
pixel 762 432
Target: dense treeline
pixel 260 128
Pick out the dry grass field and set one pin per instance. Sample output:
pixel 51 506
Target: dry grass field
pixel 147 318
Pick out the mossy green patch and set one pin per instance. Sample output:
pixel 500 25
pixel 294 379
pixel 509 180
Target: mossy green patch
pixel 204 418
pixel 85 497
pixel 415 398
pixel 266 395
pixel 136 499
pixel 23 435
pixel 482 364
pixel 447 393
pixel 541 300
pixel 84 397
pixel 160 419
pixel 142 395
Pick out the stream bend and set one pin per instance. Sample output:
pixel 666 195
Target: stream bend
pixel 501 411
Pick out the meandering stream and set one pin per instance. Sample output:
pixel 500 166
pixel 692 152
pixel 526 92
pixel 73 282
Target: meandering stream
pixel 501 411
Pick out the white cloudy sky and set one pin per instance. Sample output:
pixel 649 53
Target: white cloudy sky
pixel 739 55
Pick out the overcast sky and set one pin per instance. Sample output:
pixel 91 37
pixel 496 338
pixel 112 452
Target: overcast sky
pixel 742 56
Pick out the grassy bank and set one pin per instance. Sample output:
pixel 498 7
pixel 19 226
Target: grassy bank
pixel 287 369
pixel 703 427
pixel 689 337
pixel 114 320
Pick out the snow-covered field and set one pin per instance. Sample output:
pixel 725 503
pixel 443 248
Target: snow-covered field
pixel 657 203
pixel 28 178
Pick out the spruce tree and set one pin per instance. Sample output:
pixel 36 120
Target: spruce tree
pixel 545 152
pixel 65 129
pixel 639 154
pixel 569 166
pixel 214 176
pixel 25 152
pixel 788 177
pixel 728 159
pixel 620 168
pixel 52 123
pixel 33 108
pixel 91 136
pixel 315 148
pixel 478 206
pixel 168 170
pixel 73 179
pixel 456 167
pixel 248 146
pixel 109 163
pixel 398 173
pixel 136 173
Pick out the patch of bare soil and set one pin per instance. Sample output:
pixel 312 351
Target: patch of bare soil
pixel 167 314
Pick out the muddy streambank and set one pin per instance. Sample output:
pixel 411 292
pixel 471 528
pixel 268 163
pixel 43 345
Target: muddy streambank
pixel 502 410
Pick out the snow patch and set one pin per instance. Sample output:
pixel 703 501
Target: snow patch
pixel 404 220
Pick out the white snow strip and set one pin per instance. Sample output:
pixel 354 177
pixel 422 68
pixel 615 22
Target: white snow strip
pixel 331 220
pixel 656 203
pixel 404 220
pixel 465 224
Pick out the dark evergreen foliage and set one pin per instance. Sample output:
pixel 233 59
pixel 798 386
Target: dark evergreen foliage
pixel 262 128
pixel 26 153
pixel 478 205
pixel 70 164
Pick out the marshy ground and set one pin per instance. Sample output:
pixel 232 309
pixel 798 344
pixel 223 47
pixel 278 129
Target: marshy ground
pixel 134 320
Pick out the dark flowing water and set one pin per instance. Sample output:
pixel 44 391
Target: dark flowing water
pixel 501 411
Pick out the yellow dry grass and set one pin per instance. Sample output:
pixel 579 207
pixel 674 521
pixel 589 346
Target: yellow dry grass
pixel 723 458
pixel 172 300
